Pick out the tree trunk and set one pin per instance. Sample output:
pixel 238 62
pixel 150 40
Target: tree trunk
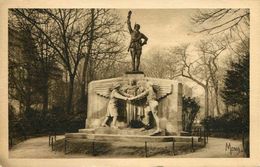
pixel 86 62
pixel 20 105
pixel 28 103
pixel 212 104
pixel 216 97
pixel 27 99
pixel 217 105
pixel 206 101
pixel 227 108
pixel 45 97
pixel 70 93
pixel 84 81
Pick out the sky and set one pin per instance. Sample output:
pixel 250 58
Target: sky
pixel 163 27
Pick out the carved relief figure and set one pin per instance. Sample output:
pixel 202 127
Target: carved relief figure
pixel 142 98
pixel 112 110
pixel 151 104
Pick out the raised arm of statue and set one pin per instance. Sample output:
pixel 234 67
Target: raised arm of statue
pixel 129 22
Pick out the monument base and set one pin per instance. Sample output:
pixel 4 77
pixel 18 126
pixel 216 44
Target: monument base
pixel 129 138
pixel 136 75
pixel 134 72
pixel 125 131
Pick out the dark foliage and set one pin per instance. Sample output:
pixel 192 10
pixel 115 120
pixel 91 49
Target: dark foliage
pixel 228 124
pixel 37 122
pixel 236 91
pixel 189 111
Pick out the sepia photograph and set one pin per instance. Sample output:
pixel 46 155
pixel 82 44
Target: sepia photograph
pixel 128 83
pixel 102 83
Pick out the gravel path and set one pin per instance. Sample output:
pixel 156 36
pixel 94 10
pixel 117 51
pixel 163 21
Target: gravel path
pixel 39 148
pixel 218 148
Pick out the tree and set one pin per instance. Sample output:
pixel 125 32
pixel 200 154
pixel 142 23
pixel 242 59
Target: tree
pixel 22 72
pixel 86 57
pixel 69 36
pixel 236 93
pixel 201 68
pixel 161 64
pixel 236 89
pixel 66 35
pixel 234 25
pixel 212 49
pixel 47 69
pixel 195 72
pixel 216 21
pixel 41 60
pixel 104 45
pixel 190 109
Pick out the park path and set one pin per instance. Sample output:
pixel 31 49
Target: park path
pixel 39 148
pixel 34 148
pixel 216 148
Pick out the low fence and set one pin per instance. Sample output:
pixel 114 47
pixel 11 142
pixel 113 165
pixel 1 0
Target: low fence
pixel 199 132
pixel 16 139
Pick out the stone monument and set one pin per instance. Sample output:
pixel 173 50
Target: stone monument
pixel 136 102
pixel 134 107
pixel 168 94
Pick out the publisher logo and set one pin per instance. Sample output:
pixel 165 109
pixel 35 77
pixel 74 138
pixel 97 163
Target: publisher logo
pixel 232 150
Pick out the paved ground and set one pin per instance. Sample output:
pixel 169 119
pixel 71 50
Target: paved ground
pixel 218 148
pixel 39 148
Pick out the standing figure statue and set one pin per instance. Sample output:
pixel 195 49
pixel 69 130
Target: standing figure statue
pixel 138 39
pixel 112 106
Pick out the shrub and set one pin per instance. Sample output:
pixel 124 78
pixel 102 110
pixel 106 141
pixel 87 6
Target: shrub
pixel 189 112
pixel 227 125
pixel 36 122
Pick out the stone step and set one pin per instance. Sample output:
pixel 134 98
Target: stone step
pixel 129 138
pixel 125 131
pixel 88 131
pixel 183 133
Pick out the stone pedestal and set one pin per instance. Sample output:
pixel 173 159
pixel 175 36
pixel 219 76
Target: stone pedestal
pixel 170 101
pixel 134 75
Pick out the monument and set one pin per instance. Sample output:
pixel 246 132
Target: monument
pixel 151 104
pixel 133 105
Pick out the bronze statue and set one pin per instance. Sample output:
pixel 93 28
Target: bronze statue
pixel 138 39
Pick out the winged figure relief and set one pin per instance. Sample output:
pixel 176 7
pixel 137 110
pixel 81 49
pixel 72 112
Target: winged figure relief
pixel 104 89
pixel 162 90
